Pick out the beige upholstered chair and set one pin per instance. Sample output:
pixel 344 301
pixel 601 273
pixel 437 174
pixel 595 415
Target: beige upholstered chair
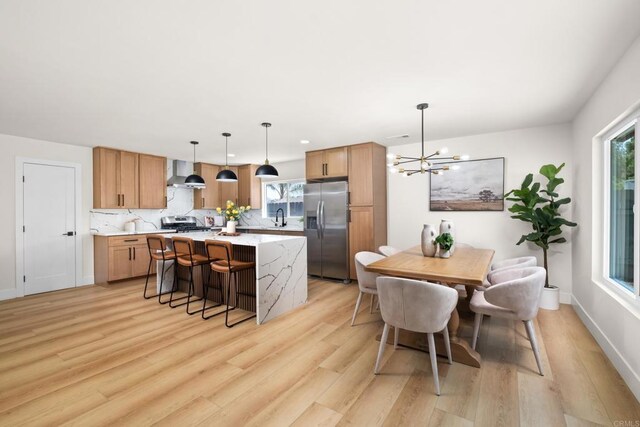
pixel 416 306
pixel 366 279
pixel 515 295
pixel 520 262
pixel 388 250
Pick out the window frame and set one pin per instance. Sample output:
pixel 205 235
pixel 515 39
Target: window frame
pixel 629 122
pixel 279 181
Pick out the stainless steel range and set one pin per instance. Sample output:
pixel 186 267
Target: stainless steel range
pixel 182 224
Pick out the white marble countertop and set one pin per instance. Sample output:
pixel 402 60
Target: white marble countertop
pixel 130 233
pixel 262 227
pixel 243 239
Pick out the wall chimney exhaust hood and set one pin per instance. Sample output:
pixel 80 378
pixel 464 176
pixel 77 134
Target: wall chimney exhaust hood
pixel 178 172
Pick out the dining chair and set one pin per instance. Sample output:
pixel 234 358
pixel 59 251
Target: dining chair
pixel 388 250
pixel 416 306
pixel 366 279
pixel 520 262
pixel 515 295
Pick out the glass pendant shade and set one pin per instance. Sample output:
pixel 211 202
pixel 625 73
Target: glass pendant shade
pixel 266 170
pixel 226 175
pixel 194 180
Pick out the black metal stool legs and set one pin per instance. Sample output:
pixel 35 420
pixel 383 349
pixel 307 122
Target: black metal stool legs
pixel 206 292
pixel 175 288
pixel 192 291
pixel 238 293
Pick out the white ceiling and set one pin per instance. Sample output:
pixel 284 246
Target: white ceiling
pixel 151 75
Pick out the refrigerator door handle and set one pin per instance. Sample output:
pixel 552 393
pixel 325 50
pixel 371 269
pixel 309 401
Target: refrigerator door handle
pixel 322 216
pixel 318 220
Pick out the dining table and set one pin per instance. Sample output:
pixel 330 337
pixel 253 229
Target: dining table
pixel 467 266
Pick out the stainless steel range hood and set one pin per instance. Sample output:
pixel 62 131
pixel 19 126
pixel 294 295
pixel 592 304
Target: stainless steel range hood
pixel 178 172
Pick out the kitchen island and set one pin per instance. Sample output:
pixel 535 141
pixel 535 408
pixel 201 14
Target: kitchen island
pixel 280 278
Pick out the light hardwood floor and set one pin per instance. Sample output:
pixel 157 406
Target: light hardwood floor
pixel 105 356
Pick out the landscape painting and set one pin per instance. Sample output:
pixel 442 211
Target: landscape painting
pixel 477 185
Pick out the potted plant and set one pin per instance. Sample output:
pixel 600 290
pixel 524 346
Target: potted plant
pixel 445 243
pixel 541 208
pixel 232 213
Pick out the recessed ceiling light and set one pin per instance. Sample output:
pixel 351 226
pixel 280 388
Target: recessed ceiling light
pixel 231 155
pixel 304 141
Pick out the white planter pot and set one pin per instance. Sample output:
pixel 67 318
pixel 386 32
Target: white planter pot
pixel 550 299
pixel 231 226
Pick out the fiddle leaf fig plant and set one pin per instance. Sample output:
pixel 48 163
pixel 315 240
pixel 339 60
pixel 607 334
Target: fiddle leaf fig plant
pixel 540 206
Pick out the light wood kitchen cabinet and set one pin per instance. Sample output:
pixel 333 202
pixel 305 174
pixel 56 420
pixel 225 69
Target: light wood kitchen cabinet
pixel 249 187
pixel 228 190
pixel 361 236
pixel 153 182
pixel 314 165
pixel 367 174
pixel 208 197
pixel 121 257
pixel 115 179
pixel 331 163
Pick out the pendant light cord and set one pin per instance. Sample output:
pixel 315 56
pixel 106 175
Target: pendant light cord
pixel 266 145
pixel 194 159
pixel 422 111
pixel 226 152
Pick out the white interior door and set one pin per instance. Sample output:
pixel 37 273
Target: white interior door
pixel 49 233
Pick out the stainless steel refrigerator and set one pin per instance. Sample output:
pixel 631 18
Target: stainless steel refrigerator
pixel 326 226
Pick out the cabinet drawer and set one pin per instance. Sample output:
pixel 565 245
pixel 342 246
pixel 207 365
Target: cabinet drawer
pixel 127 240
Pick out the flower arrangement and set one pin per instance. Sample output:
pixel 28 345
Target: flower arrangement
pixel 232 212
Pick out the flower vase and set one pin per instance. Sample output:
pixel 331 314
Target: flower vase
pixel 231 226
pixel 446 226
pixel 444 254
pixel 428 240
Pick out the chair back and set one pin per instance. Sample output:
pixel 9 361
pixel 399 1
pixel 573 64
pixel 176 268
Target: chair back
pixel 156 244
pixel 388 250
pixel 183 246
pixel 415 305
pixel 219 250
pixel 520 262
pixel 366 279
pixel 518 289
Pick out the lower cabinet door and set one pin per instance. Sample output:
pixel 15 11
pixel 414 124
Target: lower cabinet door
pixel 120 258
pixel 140 261
pixel 360 234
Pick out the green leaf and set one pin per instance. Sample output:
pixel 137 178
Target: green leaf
pixel 527 181
pixel 559 240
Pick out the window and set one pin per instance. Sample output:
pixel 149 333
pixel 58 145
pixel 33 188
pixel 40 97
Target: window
pixel 285 195
pixel 621 235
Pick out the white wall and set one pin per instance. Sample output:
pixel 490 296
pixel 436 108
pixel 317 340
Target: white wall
pixel 612 319
pixel 524 150
pixel 12 147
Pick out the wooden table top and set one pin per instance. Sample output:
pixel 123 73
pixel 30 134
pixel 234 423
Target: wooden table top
pixel 467 266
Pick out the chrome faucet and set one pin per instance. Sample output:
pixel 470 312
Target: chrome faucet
pixel 283 221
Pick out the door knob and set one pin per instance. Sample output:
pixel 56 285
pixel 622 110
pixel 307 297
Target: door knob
pixel 69 233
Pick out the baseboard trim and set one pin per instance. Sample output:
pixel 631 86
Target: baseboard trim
pixel 630 377
pixel 86 281
pixel 8 294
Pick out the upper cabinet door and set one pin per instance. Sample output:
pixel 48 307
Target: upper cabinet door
pixel 153 182
pixel 209 197
pixel 105 179
pixel 314 167
pixel 229 190
pixel 361 175
pixel 128 175
pixel 336 162
pixel 249 187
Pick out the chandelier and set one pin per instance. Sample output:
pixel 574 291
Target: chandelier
pixel 432 163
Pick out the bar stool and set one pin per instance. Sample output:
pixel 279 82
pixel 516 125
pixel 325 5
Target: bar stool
pixel 213 254
pixel 186 256
pixel 157 252
pixel 223 251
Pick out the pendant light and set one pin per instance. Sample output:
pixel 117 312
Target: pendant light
pixel 427 164
pixel 194 180
pixel 226 175
pixel 266 170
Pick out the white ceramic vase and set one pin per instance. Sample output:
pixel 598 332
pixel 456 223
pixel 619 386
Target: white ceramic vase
pixel 446 226
pixel 550 298
pixel 443 254
pixel 231 226
pixel 428 240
